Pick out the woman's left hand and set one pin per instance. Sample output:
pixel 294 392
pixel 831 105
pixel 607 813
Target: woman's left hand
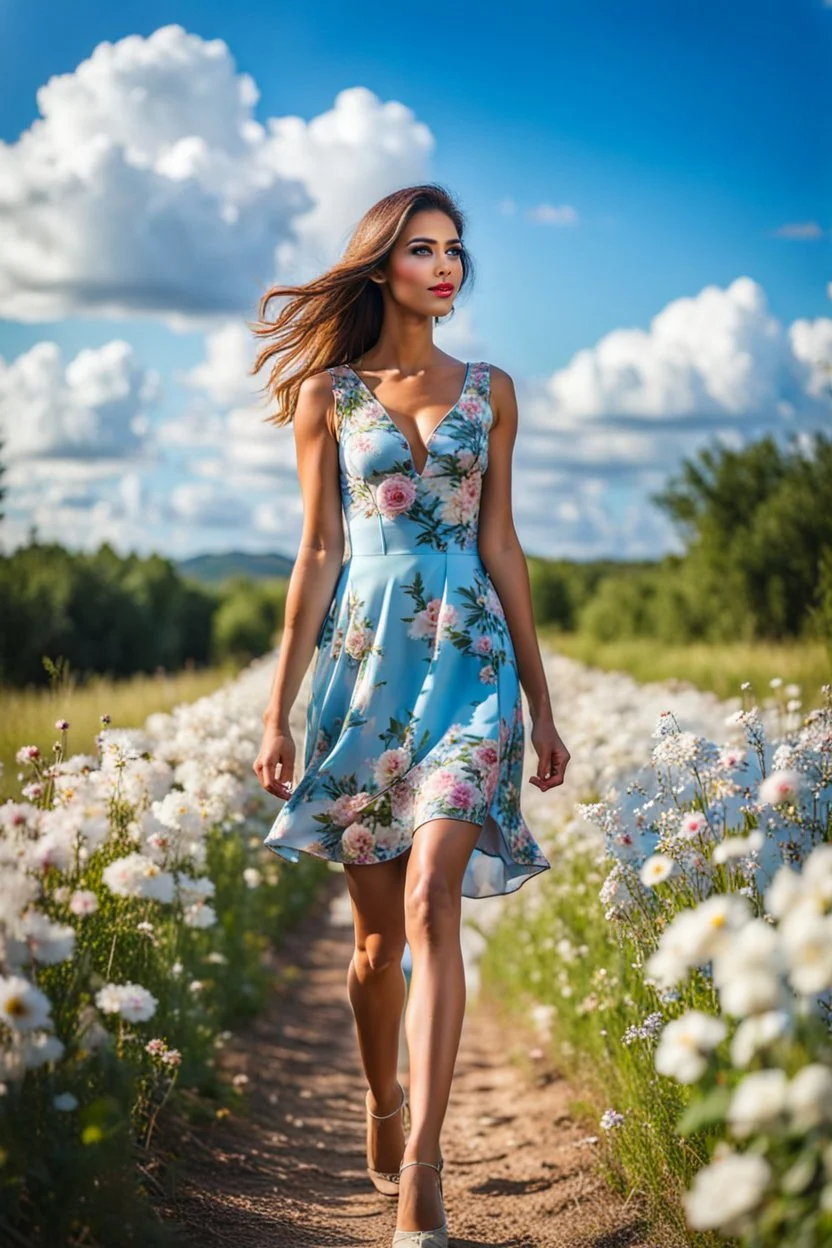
pixel 552 755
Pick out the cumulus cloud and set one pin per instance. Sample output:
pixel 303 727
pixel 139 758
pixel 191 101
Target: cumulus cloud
pixel 91 411
pixel 148 188
pixel 625 411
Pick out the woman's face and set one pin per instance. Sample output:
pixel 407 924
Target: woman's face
pixel 427 253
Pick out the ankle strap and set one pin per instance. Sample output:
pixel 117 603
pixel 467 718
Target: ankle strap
pixel 405 1164
pixel 392 1112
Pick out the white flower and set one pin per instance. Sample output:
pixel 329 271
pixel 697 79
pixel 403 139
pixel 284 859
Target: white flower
pixel 695 936
pixel 23 1007
pixel 748 970
pixel 780 786
pixel 756 1033
pixel 758 1103
pixel 138 876
pixel 131 1001
pixel 693 823
pixel 200 914
pixel 46 941
pixel 683 1043
pixel 40 1047
pixel 738 846
pixel 252 877
pixel 656 869
pixel 809 1097
pixel 806 938
pixel 726 1191
pixel 83 902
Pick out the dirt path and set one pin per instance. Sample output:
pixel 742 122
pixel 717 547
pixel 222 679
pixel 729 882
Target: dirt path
pixel 518 1173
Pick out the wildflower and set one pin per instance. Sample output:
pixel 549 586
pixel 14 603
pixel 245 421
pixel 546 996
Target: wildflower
pixel 62 725
pixel 135 875
pixel 610 1119
pixel 779 787
pixel 656 869
pixel 23 1007
pixel 131 1001
pixel 756 1033
pixel 726 1191
pixel 758 1103
pixel 684 1043
pixel 83 902
pixel 738 846
pixel 809 1097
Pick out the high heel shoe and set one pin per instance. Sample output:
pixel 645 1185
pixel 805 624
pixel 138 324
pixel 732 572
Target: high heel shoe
pixel 385 1181
pixel 435 1238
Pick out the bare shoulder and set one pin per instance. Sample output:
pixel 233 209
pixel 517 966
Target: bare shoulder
pixel 315 407
pixel 503 395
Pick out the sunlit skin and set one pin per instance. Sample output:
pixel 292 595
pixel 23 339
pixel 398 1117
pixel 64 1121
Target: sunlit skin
pixel 417 896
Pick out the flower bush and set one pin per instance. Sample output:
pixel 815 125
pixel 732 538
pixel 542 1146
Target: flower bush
pixel 683 965
pixel 136 911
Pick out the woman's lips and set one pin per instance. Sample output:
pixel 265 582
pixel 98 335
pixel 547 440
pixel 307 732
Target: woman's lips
pixel 442 291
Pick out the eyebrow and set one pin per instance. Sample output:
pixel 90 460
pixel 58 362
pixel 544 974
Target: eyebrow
pixel 433 240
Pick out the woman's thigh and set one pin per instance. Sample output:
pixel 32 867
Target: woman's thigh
pixel 438 857
pixel 377 898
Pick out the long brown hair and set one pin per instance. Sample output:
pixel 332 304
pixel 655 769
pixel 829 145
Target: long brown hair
pixel 336 318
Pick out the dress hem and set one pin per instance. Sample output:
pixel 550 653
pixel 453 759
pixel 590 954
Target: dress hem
pixel 290 853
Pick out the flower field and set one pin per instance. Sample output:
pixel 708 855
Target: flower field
pixel 137 907
pixel 677 961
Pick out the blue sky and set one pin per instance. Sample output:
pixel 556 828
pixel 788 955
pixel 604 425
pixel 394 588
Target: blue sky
pixel 613 160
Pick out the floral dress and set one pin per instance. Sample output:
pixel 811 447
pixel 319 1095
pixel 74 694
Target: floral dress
pixel 414 711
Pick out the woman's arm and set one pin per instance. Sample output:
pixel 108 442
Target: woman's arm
pixel 314 575
pixel 504 560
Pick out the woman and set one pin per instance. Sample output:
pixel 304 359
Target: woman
pixel 414 732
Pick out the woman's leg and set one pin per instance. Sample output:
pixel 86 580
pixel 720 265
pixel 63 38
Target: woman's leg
pixel 376 987
pixel 436 1002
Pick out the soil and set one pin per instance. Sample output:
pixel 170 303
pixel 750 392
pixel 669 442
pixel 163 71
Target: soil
pixel 289 1171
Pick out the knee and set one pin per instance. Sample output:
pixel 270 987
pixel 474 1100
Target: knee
pixel 431 912
pixel 377 953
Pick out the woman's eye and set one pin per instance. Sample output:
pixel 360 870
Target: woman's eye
pixel 457 250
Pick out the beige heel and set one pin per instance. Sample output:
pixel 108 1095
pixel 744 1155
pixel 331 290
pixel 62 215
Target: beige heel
pixel 384 1181
pixel 436 1238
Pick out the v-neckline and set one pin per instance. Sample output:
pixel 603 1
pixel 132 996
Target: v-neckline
pixel 401 432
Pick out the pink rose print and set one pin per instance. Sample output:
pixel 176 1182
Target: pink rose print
pixel 440 782
pixel 486 755
pixel 358 641
pixel 346 808
pixel 492 602
pixel 357 844
pixel 483 645
pixel 394 495
pixel 391 765
pixel 487 674
pixel 463 795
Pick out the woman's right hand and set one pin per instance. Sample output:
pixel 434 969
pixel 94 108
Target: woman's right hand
pixel 275 764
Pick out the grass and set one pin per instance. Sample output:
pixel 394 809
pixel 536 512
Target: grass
pixel 29 715
pixel 719 667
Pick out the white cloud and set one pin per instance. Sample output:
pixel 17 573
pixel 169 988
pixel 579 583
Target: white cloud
pixel 92 411
pixel 551 214
pixel 224 373
pixel 624 413
pixel 148 188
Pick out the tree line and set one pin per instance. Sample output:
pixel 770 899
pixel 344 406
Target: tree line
pixel 756 524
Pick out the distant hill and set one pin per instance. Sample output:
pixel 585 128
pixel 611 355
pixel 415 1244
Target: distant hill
pixel 214 569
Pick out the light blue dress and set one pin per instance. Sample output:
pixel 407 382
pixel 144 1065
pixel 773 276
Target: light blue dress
pixel 414 711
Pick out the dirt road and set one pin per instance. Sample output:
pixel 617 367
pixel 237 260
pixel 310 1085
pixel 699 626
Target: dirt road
pixel 519 1172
